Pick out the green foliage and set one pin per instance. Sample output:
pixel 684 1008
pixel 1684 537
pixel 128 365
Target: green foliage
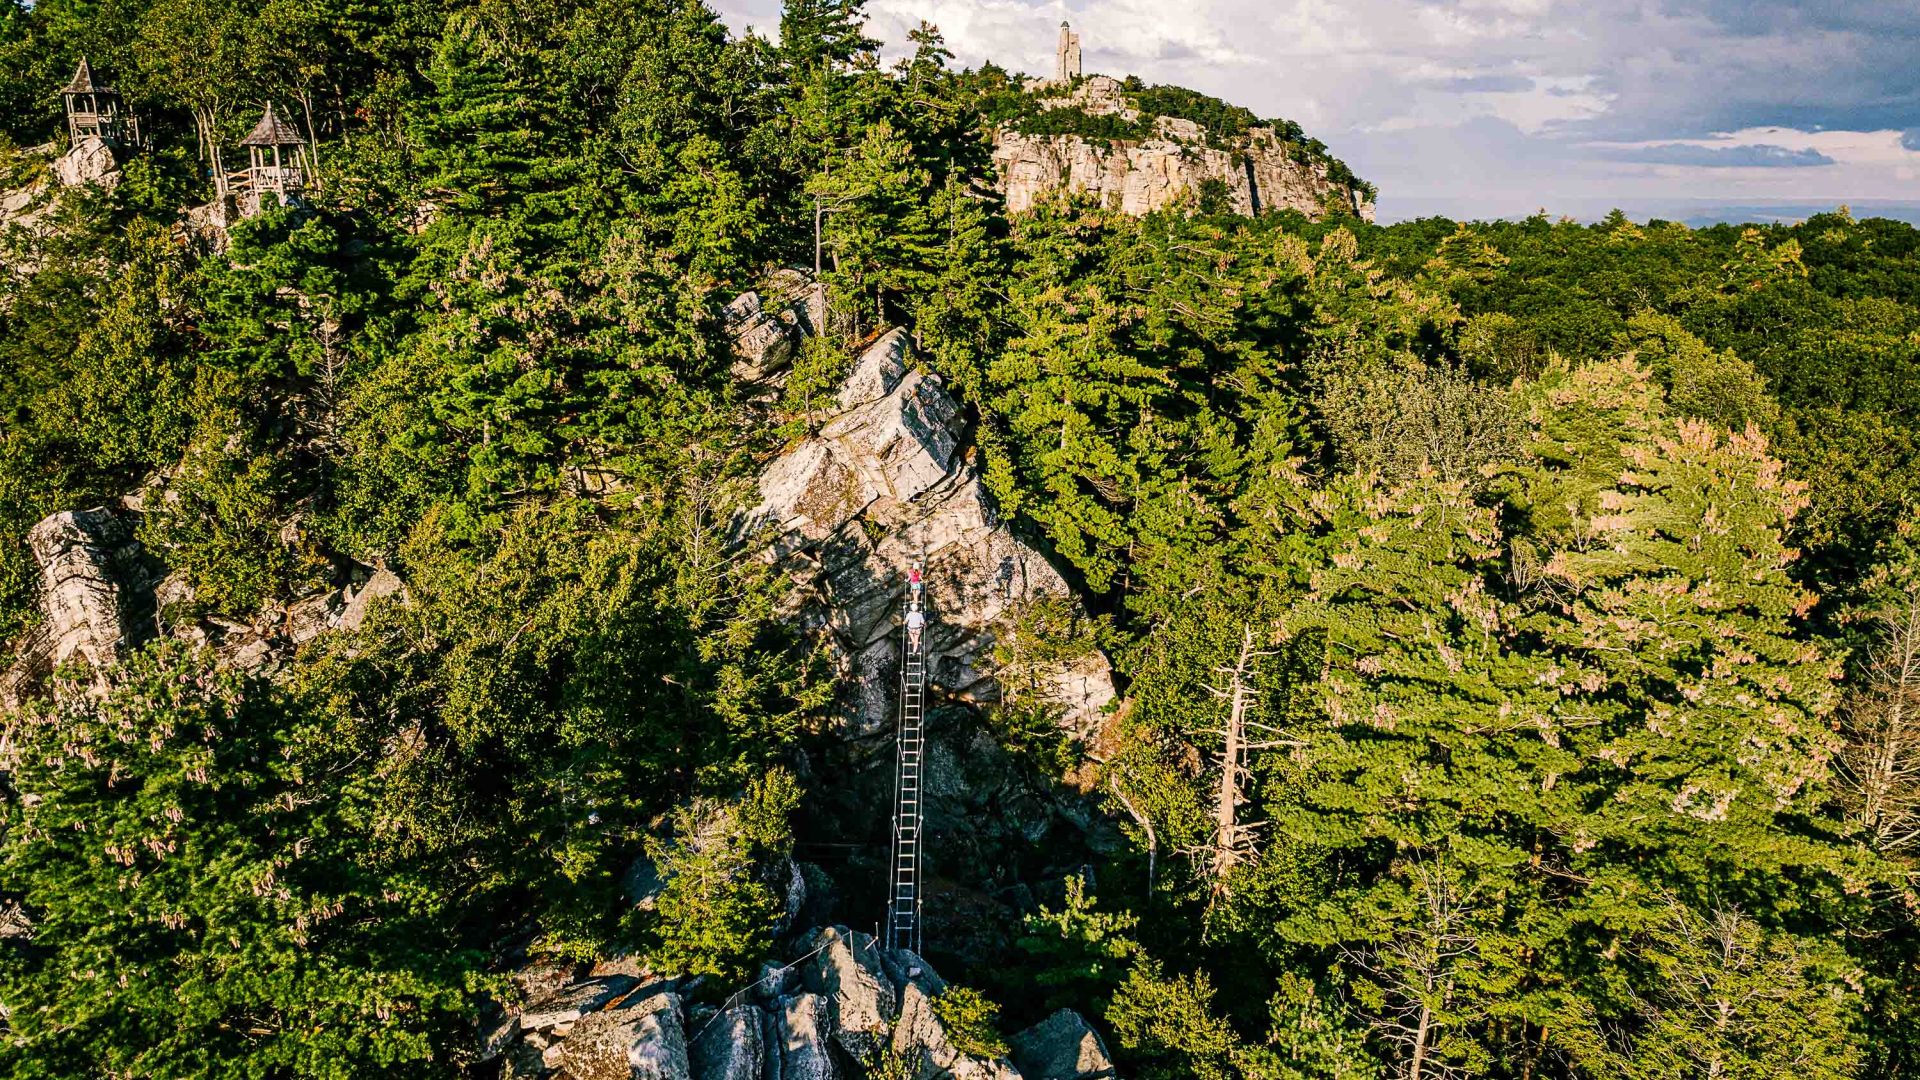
pixel 1722 995
pixel 1078 951
pixel 1168 1024
pixel 198 911
pixel 1480 595
pixel 1701 382
pixel 970 1021
pixel 715 917
pixel 1102 128
pixel 808 394
pixel 1221 119
pixel 97 376
pixel 220 520
pixel 815 33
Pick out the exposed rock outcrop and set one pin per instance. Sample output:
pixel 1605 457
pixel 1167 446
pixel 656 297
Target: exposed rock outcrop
pixel 860 1011
pixel 1258 170
pixel 101 594
pixel 800 1035
pixel 1062 1047
pixel 96 598
pixel 89 161
pixel 79 552
pixel 845 971
pixel 921 1043
pixel 885 484
pixel 574 1001
pixel 657 1049
pixel 765 333
pixel 732 1046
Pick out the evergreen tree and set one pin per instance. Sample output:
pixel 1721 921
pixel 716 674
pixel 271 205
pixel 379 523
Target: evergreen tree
pixel 199 908
pixel 816 34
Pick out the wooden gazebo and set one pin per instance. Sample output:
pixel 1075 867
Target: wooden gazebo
pixel 96 112
pixel 276 156
pixel 278 167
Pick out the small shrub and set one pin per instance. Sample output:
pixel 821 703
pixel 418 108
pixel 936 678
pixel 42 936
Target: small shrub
pixel 971 1021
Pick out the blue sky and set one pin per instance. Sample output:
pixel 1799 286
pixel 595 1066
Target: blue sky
pixel 1686 108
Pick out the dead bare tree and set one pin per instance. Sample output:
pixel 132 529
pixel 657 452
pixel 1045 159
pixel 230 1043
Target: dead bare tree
pixel 1413 974
pixel 1879 766
pixel 1240 737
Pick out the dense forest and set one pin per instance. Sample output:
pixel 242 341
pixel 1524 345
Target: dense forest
pixel 1516 624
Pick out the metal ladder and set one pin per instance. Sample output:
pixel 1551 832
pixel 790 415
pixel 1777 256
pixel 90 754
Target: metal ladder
pixel 903 905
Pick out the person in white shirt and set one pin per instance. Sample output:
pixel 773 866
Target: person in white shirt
pixel 916 622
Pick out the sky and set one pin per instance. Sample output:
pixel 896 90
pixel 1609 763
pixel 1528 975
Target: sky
pixel 1684 109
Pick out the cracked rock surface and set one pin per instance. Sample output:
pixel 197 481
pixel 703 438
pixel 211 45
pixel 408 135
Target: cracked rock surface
pixel 885 483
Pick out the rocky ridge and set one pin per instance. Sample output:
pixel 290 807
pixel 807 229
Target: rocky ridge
pixel 887 482
pixel 843 1007
pixel 1139 178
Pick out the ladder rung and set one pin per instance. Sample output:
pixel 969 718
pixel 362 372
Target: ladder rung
pixel 904 906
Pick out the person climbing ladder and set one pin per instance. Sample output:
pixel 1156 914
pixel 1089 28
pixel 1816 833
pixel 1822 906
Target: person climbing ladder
pixel 903 899
pixel 916 618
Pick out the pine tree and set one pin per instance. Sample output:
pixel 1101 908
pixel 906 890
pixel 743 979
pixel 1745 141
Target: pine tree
pixel 200 906
pixel 817 34
pixel 478 147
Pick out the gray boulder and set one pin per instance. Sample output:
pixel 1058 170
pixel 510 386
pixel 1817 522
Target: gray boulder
pixel 902 444
pixel 83 557
pixel 803 299
pixel 523 1060
pixel 89 161
pixel 879 369
pixel 921 1044
pixel 659 1050
pixel 800 1036
pixel 574 1000
pixel 731 1046
pixel 644 1041
pixel 882 486
pixel 762 342
pixel 382 584
pixel 1062 1047
pixel 846 972
pixel 891 448
pixel 774 980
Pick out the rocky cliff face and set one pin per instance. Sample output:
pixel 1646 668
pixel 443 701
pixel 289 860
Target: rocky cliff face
pixel 1140 177
pixel 89 161
pixel 843 1007
pixel 886 483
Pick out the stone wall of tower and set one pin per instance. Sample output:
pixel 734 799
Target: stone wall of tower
pixel 1066 67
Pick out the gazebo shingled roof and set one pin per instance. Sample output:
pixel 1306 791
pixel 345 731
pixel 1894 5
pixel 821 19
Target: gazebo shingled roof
pixel 83 80
pixel 273 131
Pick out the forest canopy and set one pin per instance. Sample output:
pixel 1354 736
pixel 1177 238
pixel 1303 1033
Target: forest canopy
pixel 1517 624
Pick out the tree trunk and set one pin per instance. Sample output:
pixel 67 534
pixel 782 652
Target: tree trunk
pixel 1421 1032
pixel 1226 833
pixel 313 134
pixel 1882 760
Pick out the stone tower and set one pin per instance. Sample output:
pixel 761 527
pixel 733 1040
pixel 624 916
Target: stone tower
pixel 1066 66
